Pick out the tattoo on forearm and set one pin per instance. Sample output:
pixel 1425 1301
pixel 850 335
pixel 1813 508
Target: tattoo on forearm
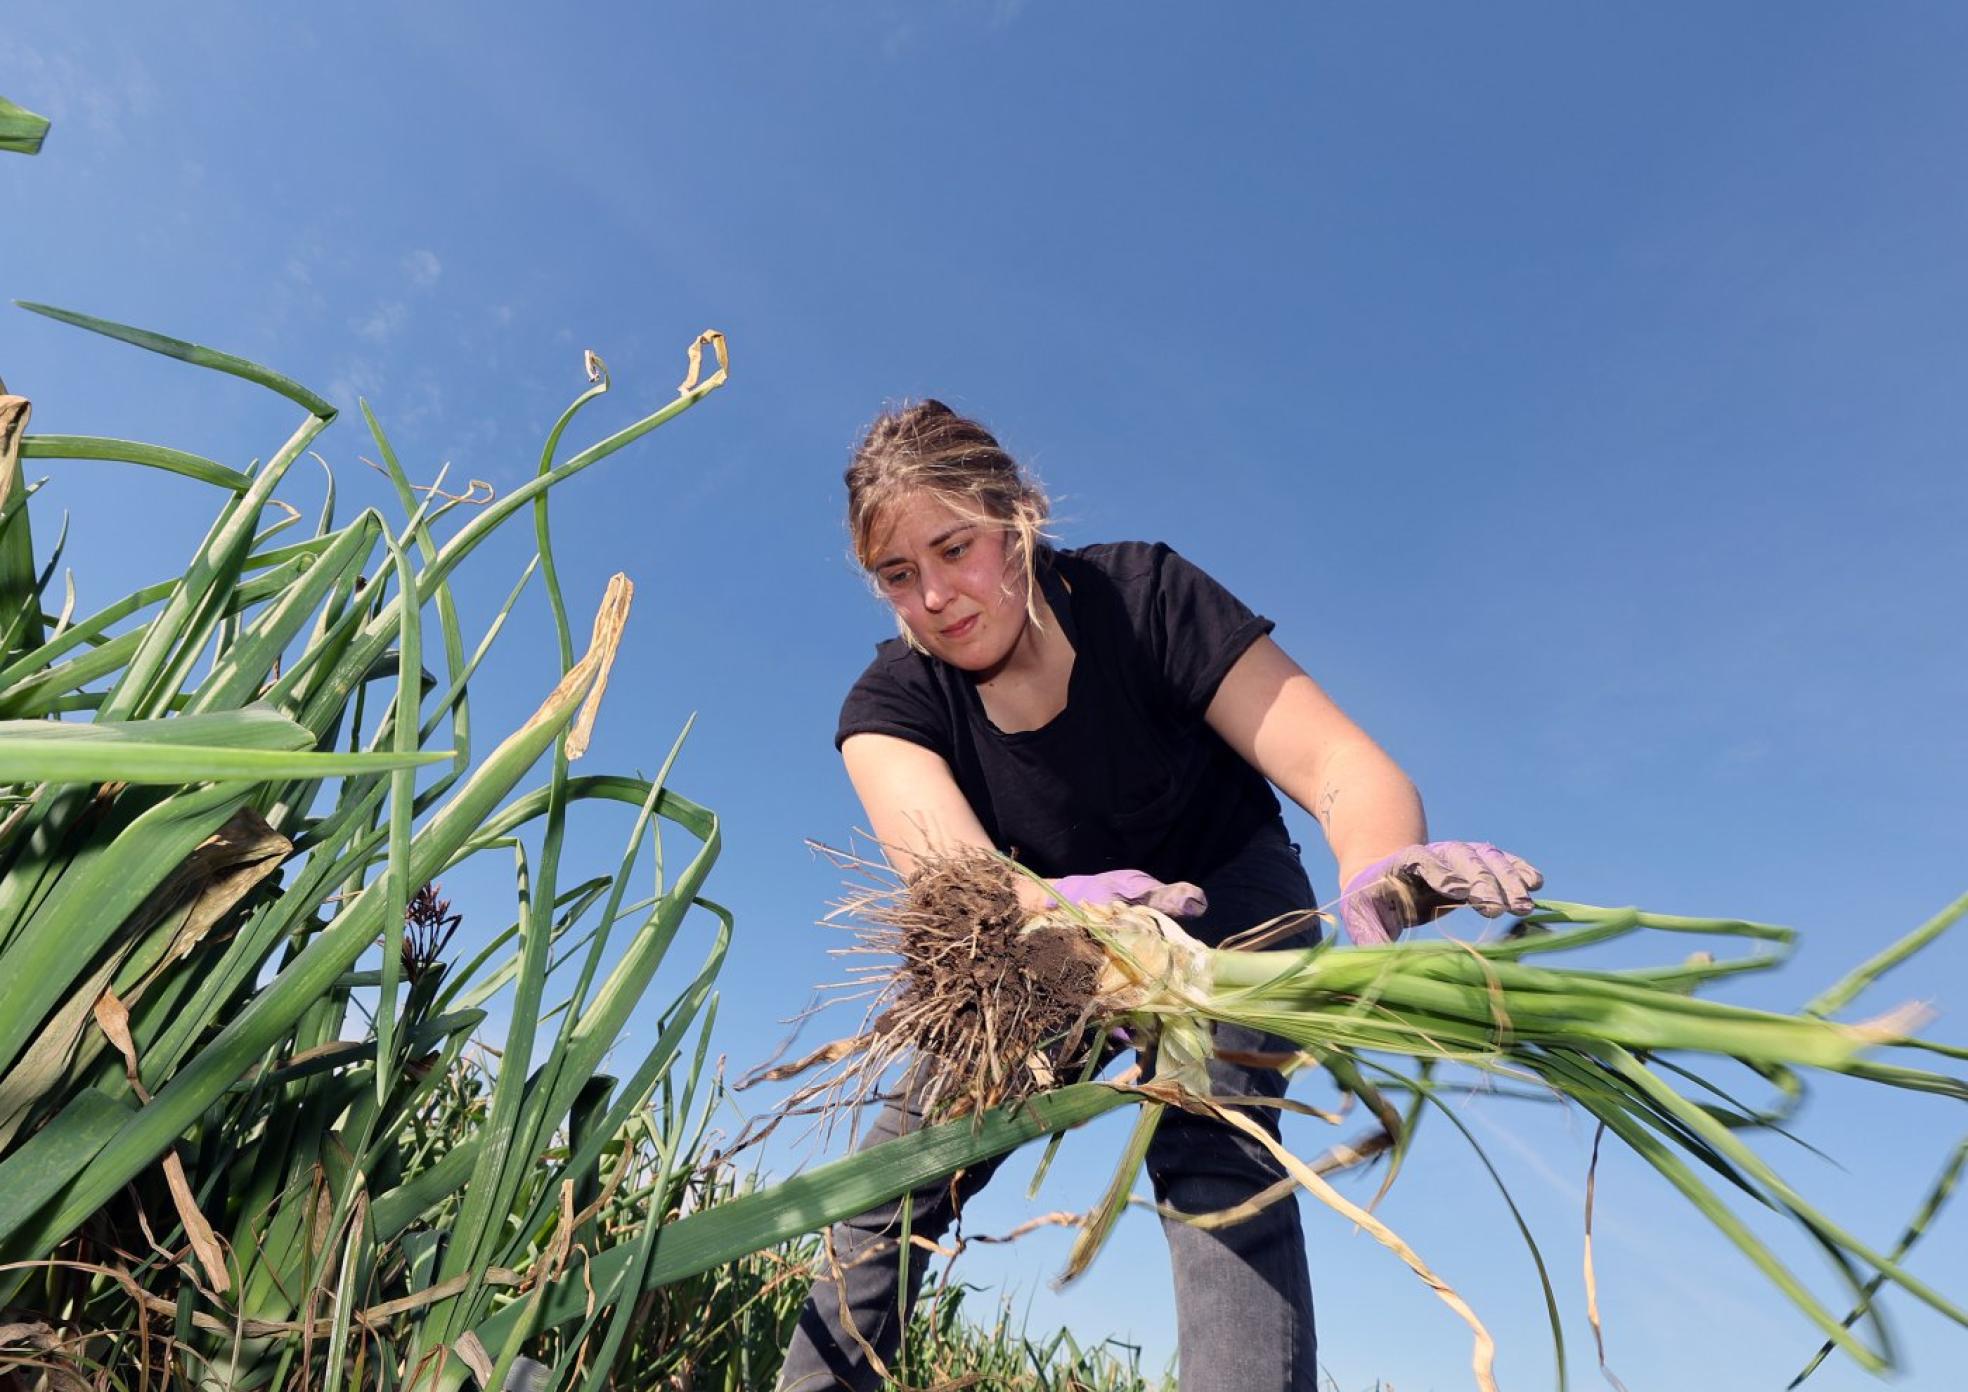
pixel 1324 807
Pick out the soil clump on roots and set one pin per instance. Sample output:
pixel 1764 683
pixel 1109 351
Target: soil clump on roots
pixel 993 1010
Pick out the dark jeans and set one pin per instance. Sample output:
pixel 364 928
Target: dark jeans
pixel 1242 1294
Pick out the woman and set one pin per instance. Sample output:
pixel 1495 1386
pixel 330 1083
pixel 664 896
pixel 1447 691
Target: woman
pixel 1115 719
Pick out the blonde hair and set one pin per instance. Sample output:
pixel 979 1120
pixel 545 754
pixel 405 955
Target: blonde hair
pixel 925 447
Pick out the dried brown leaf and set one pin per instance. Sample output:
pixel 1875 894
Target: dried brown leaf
pixel 114 1018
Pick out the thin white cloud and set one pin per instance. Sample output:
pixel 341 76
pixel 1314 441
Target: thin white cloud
pixel 1743 753
pixel 384 322
pixel 423 268
pixel 66 92
pixel 358 377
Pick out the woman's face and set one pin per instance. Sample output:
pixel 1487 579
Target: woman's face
pixel 952 579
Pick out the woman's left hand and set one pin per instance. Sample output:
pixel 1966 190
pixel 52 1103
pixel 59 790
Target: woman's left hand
pixel 1418 883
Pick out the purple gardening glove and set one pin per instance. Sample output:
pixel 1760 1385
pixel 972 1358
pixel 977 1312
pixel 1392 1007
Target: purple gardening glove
pixel 1178 900
pixel 1419 883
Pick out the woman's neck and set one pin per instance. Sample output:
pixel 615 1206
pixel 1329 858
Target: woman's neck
pixel 1028 688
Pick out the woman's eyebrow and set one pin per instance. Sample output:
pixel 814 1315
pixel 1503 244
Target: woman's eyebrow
pixel 933 543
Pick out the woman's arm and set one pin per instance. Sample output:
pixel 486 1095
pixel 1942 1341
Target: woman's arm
pixel 1284 726
pixel 914 805
pixel 911 798
pixel 1279 720
pixel 915 808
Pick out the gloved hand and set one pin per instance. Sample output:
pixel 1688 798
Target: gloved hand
pixel 1178 900
pixel 1419 883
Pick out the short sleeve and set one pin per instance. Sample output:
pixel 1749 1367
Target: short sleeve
pixel 1197 629
pixel 892 697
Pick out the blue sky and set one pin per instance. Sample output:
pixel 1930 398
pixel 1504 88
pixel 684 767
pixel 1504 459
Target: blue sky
pixel 1579 388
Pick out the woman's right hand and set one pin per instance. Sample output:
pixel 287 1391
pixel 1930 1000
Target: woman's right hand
pixel 1178 900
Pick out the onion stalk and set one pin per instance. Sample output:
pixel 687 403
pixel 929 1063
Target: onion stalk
pixel 979 1002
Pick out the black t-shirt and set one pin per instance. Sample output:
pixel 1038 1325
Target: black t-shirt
pixel 1128 774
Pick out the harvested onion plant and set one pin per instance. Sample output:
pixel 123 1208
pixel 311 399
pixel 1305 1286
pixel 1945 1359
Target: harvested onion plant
pixel 979 1004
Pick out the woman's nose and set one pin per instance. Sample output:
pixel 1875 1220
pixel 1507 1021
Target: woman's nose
pixel 936 589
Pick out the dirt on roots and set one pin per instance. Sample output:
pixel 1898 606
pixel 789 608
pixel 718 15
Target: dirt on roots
pixel 999 1008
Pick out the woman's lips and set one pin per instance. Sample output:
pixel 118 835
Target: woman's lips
pixel 960 630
